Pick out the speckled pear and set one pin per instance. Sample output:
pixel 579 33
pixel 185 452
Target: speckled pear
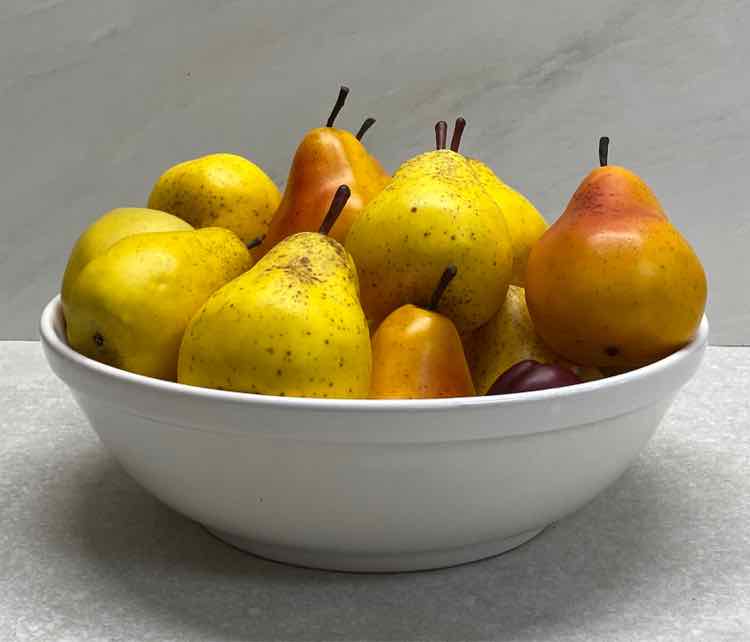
pixel 433 213
pixel 613 283
pixel 110 228
pixel 218 190
pixel 525 224
pixel 326 158
pixel 291 326
pixel 507 338
pixel 417 353
pixel 129 307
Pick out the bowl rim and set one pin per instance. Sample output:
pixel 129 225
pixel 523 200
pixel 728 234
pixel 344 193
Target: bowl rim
pixel 52 319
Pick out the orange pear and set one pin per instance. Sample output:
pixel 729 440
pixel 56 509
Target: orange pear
pixel 326 158
pixel 612 283
pixel 417 353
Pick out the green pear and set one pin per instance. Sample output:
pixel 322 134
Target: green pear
pixel 219 190
pixel 433 213
pixel 110 228
pixel 129 306
pixel 292 326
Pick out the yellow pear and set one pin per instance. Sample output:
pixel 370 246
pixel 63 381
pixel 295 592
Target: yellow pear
pixel 219 190
pixel 433 213
pixel 525 224
pixel 110 228
pixel 129 306
pixel 290 326
pixel 507 338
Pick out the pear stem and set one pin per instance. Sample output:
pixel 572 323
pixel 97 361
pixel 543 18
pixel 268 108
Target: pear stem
pixel 441 134
pixel 603 150
pixel 337 205
pixel 343 93
pixel 442 285
pixel 458 131
pixel 369 122
pixel 255 242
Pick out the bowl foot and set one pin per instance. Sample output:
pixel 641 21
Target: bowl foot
pixel 376 563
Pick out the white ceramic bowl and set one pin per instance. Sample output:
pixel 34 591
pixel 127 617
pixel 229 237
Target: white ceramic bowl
pixel 371 485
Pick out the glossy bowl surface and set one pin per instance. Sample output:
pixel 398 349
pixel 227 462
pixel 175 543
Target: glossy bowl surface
pixel 365 485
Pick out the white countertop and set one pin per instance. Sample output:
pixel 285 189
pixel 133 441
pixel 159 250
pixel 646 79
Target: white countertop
pixel 86 554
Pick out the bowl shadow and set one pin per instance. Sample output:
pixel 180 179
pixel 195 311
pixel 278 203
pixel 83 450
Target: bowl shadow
pixel 584 566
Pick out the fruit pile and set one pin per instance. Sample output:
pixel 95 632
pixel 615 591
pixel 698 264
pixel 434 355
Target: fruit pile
pixel 440 281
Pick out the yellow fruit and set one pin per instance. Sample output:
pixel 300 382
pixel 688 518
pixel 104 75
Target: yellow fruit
pixel 507 338
pixel 525 224
pixel 219 190
pixel 290 326
pixel 129 307
pixel 110 228
pixel 433 213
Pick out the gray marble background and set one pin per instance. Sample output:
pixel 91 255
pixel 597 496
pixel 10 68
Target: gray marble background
pixel 97 98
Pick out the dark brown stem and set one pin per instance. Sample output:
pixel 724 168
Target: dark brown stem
pixel 255 242
pixel 441 134
pixel 458 131
pixel 369 122
pixel 337 205
pixel 343 93
pixel 603 150
pixel 444 282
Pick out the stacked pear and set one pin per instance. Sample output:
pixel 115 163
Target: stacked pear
pixel 218 190
pixel 129 306
pixel 508 338
pixel 433 213
pixel 525 224
pixel 612 283
pixel 326 158
pixel 110 228
pixel 342 301
pixel 417 353
pixel 292 325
